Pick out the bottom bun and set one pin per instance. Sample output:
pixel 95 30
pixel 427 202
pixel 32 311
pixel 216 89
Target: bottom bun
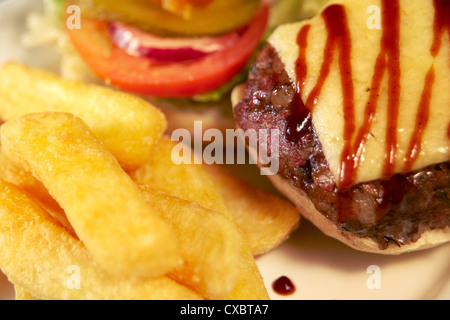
pixel 428 239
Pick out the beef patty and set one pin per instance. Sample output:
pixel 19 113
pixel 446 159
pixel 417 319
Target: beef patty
pixel 396 210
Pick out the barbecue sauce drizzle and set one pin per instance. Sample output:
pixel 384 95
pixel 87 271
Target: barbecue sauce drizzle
pixel 388 61
pixel 441 24
pixel 300 118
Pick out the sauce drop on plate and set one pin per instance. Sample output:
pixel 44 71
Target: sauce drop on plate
pixel 283 286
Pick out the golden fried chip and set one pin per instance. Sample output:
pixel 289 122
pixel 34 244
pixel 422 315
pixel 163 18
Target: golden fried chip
pixel 192 183
pixel 39 256
pixel 185 181
pixel 104 206
pixel 128 126
pixel 25 181
pixel 265 220
pixel 22 294
pixel 209 244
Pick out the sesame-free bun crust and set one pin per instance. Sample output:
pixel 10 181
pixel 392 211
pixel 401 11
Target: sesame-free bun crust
pixel 429 239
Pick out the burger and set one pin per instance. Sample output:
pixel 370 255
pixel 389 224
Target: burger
pixel 183 55
pixel 360 96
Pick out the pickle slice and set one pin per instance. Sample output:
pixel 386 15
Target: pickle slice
pixel 218 17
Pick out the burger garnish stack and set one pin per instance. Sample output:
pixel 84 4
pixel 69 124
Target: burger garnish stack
pixel 171 49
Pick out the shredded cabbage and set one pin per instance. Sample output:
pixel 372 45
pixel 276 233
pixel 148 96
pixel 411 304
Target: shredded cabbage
pixel 46 29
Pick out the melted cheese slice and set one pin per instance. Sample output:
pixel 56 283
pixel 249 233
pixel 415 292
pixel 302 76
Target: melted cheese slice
pixel 416 38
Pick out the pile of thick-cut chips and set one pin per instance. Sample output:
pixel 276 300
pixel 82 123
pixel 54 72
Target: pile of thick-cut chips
pixel 92 207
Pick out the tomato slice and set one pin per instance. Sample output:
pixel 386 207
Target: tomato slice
pixel 171 80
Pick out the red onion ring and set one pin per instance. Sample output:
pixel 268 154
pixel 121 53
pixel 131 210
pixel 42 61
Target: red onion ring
pixel 168 49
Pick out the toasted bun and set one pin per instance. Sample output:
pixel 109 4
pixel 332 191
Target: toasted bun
pixel 429 239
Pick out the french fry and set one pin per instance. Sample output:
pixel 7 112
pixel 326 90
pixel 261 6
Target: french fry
pixel 66 271
pixel 265 220
pixel 22 294
pixel 127 125
pixel 25 181
pixel 104 206
pixel 192 183
pixel 209 243
pixel 185 181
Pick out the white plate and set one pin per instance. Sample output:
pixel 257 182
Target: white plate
pixel 320 267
